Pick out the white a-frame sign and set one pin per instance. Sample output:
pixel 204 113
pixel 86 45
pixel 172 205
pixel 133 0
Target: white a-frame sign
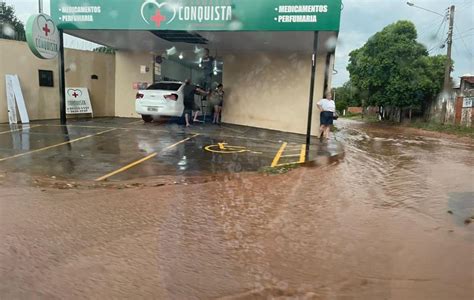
pixel 15 99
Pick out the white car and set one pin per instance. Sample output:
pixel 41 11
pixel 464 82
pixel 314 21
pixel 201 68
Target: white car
pixel 163 98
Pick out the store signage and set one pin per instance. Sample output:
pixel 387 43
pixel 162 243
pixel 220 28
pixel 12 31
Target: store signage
pixel 78 101
pixel 209 15
pixel 42 36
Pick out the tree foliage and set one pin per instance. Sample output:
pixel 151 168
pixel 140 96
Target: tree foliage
pixel 347 95
pixel 10 26
pixel 395 70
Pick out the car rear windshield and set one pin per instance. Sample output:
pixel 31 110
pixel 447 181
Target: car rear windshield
pixel 167 86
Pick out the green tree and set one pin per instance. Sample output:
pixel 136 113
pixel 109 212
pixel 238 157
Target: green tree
pixel 432 81
pixel 10 26
pixel 346 96
pixel 394 69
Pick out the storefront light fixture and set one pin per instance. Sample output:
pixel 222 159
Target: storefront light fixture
pixel 171 51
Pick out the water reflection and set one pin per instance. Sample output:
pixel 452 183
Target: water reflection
pixel 20 136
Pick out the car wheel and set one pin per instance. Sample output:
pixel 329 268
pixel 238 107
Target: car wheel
pixel 147 118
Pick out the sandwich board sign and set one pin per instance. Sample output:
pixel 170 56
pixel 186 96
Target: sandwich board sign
pixel 15 99
pixel 42 36
pixel 78 101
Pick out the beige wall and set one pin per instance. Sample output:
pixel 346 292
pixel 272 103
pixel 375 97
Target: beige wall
pixel 80 65
pixel 271 90
pixel 127 65
pixel 43 102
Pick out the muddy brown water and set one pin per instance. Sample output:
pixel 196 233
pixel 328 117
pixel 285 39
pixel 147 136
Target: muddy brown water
pixel 388 221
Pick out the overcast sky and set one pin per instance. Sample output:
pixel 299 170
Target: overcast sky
pixel 360 20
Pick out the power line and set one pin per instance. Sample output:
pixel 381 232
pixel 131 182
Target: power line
pixel 435 37
pixel 464 32
pixel 424 29
pixel 463 41
pixel 441 24
pixel 470 29
pixel 440 43
pixel 465 5
pixel 460 37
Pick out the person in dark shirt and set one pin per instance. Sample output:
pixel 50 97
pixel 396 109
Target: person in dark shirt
pixel 207 63
pixel 189 91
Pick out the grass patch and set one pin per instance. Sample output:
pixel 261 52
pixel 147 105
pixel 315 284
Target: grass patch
pixel 445 128
pixel 279 169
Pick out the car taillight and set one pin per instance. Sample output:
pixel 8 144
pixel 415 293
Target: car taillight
pixel 139 96
pixel 173 97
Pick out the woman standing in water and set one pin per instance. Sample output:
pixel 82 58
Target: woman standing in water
pixel 327 106
pixel 217 99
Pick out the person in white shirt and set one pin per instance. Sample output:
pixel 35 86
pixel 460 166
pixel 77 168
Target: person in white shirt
pixel 327 106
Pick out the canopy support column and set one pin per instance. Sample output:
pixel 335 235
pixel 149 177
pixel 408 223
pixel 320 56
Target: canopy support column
pixel 311 93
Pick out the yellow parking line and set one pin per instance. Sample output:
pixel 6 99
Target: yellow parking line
pixel 54 146
pixel 19 129
pixel 278 155
pixel 133 164
pixel 127 167
pixel 303 154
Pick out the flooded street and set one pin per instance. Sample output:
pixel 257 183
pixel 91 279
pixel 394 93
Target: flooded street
pixel 388 221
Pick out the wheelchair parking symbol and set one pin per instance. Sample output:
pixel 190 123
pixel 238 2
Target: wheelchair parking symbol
pixel 224 148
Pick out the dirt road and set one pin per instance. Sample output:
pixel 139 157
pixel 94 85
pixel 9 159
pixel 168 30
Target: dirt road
pixel 389 221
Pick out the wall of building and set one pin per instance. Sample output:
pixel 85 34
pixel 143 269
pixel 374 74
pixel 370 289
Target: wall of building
pixel 43 102
pixel 127 71
pixel 464 112
pixel 81 65
pixel 271 90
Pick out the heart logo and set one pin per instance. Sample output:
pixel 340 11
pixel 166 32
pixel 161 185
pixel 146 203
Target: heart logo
pixel 74 93
pixel 46 25
pixel 158 6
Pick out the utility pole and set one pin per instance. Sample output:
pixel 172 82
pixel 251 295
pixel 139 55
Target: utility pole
pixel 448 65
pixel 447 68
pixel 40 6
